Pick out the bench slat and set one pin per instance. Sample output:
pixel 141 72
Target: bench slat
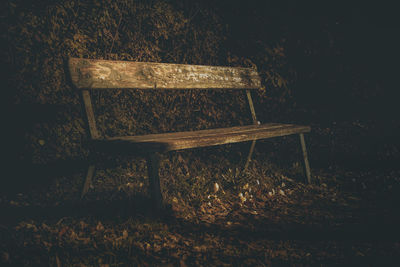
pixel 201 133
pixel 103 74
pixel 202 138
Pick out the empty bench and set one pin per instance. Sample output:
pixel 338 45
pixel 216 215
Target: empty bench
pixel 87 74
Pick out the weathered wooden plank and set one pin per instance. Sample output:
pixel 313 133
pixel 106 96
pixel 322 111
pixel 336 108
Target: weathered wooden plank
pixel 94 73
pixel 152 137
pixel 185 140
pixel 208 132
pixel 185 143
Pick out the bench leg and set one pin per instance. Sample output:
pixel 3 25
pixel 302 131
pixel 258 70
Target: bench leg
pixel 88 180
pixel 153 162
pixel 305 157
pixel 253 144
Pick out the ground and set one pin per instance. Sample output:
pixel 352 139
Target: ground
pixel 216 216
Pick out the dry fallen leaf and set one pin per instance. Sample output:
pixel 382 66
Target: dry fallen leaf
pixel 58 262
pixel 62 231
pixel 182 263
pixel 82 225
pixel 100 227
pixel 73 235
pixel 125 234
pixel 157 237
pixel 242 198
pixel 202 209
pixel 216 187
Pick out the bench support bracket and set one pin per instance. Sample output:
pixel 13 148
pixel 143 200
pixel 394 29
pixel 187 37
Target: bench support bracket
pixel 254 117
pixel 253 144
pixel 153 163
pixel 305 157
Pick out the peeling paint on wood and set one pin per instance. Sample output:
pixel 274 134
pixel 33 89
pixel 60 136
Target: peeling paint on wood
pixel 93 73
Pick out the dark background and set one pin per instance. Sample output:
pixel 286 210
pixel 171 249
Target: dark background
pixel 344 54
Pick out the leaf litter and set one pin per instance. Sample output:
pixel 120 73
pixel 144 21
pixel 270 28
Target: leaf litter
pixel 261 223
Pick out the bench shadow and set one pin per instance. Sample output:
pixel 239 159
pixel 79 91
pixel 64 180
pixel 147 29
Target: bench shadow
pixel 25 176
pixel 267 230
pixel 138 206
pixel 249 229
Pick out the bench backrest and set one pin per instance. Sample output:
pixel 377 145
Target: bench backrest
pixel 99 74
pixel 103 74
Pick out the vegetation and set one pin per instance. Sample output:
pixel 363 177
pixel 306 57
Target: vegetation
pixel 265 216
pixel 43 37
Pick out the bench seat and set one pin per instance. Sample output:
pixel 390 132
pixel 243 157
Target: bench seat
pixel 191 139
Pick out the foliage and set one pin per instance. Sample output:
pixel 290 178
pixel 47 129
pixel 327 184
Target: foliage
pixel 41 37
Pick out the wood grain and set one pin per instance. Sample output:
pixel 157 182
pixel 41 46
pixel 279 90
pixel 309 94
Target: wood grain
pixel 202 138
pixel 102 74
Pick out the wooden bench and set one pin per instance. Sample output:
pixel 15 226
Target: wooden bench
pixel 104 74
